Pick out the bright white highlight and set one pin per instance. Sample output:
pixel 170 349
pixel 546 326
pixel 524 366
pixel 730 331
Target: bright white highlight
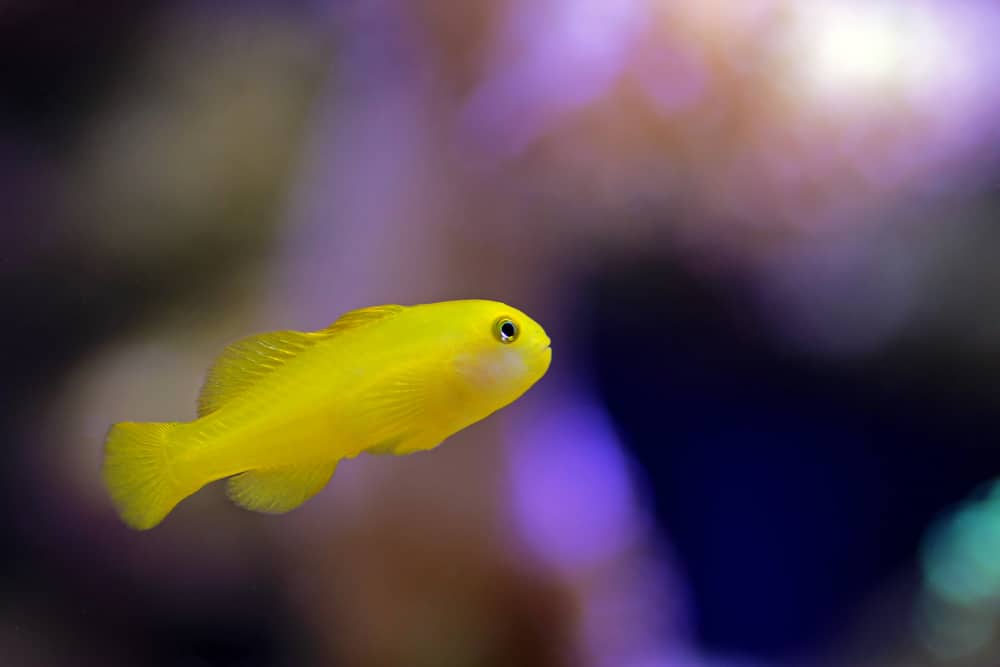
pixel 864 52
pixel 855 47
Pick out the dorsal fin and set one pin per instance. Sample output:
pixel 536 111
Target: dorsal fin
pixel 362 317
pixel 246 361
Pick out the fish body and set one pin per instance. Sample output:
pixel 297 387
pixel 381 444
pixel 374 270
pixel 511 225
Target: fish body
pixel 278 411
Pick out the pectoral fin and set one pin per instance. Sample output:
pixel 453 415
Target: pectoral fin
pixel 278 490
pixel 395 410
pixel 404 414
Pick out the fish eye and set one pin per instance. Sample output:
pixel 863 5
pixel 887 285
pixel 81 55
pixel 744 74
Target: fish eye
pixel 506 330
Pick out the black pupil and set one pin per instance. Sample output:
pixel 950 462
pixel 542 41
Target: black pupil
pixel 507 329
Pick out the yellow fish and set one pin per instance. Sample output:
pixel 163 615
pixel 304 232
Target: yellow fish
pixel 278 411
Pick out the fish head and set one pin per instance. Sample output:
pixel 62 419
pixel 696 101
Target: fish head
pixel 501 352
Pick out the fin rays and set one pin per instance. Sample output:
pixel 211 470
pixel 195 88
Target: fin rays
pixel 245 362
pixel 138 474
pixel 278 490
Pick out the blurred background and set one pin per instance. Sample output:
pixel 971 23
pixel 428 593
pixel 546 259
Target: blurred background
pixel 763 235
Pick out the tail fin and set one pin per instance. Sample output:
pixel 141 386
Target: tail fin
pixel 137 473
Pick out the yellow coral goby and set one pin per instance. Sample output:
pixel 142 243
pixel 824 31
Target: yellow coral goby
pixel 278 411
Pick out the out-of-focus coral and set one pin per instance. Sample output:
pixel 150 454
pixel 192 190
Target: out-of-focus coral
pixel 187 165
pixel 823 165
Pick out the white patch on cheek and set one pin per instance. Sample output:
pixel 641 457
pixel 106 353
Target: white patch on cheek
pixel 493 369
pixel 507 366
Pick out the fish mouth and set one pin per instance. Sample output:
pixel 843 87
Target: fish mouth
pixel 545 358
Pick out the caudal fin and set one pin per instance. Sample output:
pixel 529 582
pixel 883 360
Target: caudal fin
pixel 137 473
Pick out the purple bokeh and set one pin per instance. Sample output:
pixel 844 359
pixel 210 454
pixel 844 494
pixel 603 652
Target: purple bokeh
pixel 573 498
pixel 550 57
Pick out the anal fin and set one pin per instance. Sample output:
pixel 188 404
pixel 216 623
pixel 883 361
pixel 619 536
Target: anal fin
pixel 278 490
